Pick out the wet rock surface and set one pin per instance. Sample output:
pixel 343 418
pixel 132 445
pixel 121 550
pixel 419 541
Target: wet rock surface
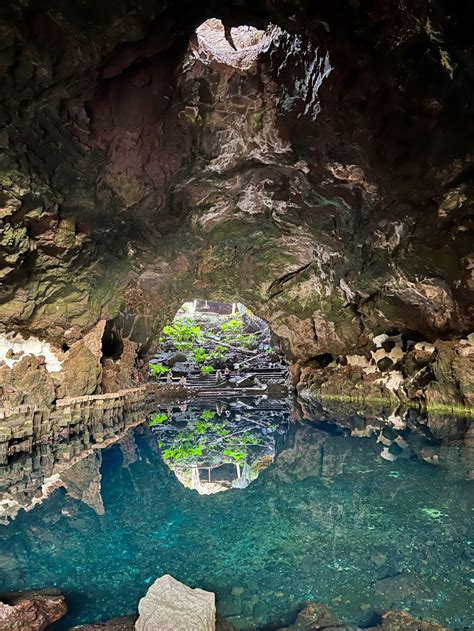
pixel 34 611
pixel 169 605
pixel 332 193
pixel 317 617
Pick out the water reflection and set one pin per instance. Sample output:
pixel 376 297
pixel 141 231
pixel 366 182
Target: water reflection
pixel 329 519
pixel 216 446
pixel 26 480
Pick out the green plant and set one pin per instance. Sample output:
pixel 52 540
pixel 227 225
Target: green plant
pixel 158 419
pixel 200 355
pixel 158 369
pixel 207 370
pixel 185 331
pixel 219 353
pixel 245 340
pixel 184 346
pixel 207 414
pixel 232 326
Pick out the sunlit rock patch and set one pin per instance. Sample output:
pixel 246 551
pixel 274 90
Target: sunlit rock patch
pixel 14 347
pixel 238 47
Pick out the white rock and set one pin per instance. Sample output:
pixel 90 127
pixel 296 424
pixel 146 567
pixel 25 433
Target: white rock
pixel 396 421
pixel 171 606
pixel 425 346
pixel 380 339
pixel 386 455
pixel 31 346
pixel 470 339
pixel 393 380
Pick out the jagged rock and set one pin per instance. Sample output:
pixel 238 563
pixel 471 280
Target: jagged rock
pixel 319 618
pixel 32 611
pixel 82 482
pixel 403 621
pixel 82 372
pixel 126 187
pixel 453 370
pixel 171 606
pixel 315 616
pixel 28 381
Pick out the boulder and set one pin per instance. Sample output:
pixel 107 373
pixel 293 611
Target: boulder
pixel 28 381
pixel 82 371
pixel 315 616
pixel 171 606
pixel 31 611
pixel 402 621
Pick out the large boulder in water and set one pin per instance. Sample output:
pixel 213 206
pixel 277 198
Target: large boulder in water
pixel 34 611
pixel 171 606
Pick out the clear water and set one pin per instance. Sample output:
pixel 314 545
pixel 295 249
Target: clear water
pixel 327 520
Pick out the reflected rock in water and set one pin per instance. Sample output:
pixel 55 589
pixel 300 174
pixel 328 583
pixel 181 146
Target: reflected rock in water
pixel 82 481
pixel 213 447
pixel 402 433
pixel 73 463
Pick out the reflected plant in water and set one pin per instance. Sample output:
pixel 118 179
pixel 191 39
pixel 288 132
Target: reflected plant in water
pixel 211 439
pixel 208 414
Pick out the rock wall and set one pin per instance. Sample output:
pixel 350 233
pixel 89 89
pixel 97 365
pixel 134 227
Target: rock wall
pixel 25 426
pixel 320 173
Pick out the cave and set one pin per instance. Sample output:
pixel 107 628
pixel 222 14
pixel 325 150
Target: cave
pixel 260 151
pixel 312 161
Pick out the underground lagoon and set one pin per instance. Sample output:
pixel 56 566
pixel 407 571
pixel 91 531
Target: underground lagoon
pixel 236 315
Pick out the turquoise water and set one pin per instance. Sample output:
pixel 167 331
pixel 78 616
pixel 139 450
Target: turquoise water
pixel 328 520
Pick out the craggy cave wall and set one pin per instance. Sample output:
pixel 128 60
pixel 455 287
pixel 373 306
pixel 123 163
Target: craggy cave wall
pixel 327 184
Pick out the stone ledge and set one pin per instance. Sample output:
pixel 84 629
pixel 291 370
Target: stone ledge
pixel 23 427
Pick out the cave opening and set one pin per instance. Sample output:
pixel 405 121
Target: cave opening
pixel 112 343
pixel 219 344
pixel 228 377
pixel 237 46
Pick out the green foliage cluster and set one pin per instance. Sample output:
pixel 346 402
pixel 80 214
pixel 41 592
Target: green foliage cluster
pixel 184 333
pixel 207 370
pixel 158 419
pixel 158 369
pixel 232 326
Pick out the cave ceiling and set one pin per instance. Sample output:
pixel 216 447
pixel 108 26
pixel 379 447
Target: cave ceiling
pixel 327 185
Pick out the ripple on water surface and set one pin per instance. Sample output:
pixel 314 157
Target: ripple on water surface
pixel 328 519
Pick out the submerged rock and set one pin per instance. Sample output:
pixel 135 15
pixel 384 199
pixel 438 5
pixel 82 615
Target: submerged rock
pixel 400 586
pixel 402 621
pixel 31 611
pixel 171 606
pixel 317 617
pixel 115 624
